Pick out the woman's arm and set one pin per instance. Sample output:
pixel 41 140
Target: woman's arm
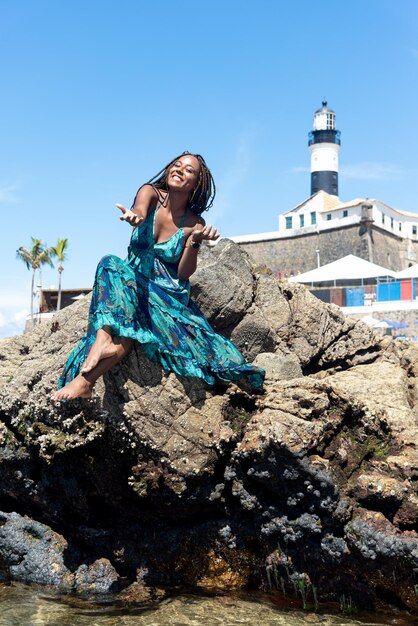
pixel 188 261
pixel 144 199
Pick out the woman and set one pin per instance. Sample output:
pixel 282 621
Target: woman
pixel 146 297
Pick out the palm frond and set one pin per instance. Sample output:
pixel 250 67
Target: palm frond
pixel 60 250
pixel 37 247
pixel 24 255
pixel 44 258
pixel 38 255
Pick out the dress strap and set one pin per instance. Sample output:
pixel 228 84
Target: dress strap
pixel 160 202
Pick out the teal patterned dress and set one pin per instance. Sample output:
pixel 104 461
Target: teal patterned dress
pixel 142 298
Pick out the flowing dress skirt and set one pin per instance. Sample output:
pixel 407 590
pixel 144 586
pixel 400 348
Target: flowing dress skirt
pixel 154 309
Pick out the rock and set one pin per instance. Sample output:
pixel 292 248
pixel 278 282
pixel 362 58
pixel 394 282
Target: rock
pixel 216 571
pixel 139 593
pixel 161 480
pixel 226 301
pixel 320 336
pixel 99 577
pixel 278 366
pixel 32 552
pixel 10 358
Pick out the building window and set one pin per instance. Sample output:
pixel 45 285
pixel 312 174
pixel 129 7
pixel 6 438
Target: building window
pixel 329 216
pixel 383 218
pixel 313 217
pixel 301 221
pixel 345 213
pixel 288 223
pixel 414 230
pixel 391 222
pixel 400 225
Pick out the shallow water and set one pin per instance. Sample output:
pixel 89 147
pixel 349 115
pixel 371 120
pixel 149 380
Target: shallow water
pixel 27 606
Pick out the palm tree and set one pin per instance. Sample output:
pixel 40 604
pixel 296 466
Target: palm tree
pixel 34 258
pixel 60 252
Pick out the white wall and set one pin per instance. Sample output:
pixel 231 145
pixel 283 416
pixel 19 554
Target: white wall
pixel 354 216
pixel 322 223
pixel 406 221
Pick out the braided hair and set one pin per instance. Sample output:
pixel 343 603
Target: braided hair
pixel 205 190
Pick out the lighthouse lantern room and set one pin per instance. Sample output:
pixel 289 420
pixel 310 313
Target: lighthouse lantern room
pixel 324 145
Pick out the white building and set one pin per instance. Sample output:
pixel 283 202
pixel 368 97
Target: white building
pixel 324 211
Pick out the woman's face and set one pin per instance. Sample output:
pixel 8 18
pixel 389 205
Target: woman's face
pixel 183 174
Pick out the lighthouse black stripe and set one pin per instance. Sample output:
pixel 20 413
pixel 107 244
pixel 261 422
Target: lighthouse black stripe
pixel 325 181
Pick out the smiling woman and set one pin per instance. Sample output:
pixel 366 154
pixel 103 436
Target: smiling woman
pixel 146 297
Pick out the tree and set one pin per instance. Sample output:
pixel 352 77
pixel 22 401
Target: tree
pixel 34 258
pixel 59 251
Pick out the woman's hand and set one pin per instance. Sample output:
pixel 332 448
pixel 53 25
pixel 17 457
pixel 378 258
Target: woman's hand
pixel 129 216
pixel 207 233
pixel 188 261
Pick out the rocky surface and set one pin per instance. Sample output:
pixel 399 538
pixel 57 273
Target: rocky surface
pixel 161 480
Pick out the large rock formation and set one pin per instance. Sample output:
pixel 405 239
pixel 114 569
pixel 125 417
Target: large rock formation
pixel 163 480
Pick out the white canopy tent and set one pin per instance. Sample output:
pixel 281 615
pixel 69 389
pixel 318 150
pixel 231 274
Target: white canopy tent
pixel 349 267
pixel 369 320
pixel 409 272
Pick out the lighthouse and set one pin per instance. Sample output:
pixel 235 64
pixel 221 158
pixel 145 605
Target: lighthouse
pixel 324 144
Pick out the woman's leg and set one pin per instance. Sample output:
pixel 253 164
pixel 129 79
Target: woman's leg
pixel 82 385
pixel 102 348
pixel 113 311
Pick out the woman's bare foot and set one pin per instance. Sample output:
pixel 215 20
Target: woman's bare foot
pixel 82 385
pixel 79 387
pixel 103 348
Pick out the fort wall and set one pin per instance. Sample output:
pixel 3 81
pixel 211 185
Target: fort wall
pixel 295 255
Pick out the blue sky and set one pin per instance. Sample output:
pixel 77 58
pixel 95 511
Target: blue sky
pixel 97 96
